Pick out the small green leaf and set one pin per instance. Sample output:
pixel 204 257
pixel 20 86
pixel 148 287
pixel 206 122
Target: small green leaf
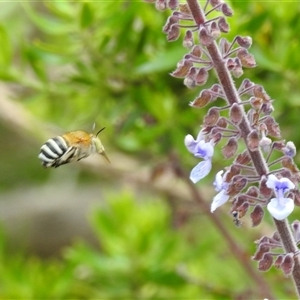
pixel 5 49
pixel 48 24
pixel 86 15
pixel 33 57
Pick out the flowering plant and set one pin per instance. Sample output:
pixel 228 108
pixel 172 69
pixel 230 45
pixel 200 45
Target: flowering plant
pixel 253 181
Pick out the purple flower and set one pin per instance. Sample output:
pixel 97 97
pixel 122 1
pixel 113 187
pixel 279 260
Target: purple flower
pixel 200 149
pixel 280 207
pixel 221 187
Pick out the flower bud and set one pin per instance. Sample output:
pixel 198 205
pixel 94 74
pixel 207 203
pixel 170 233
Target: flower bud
pixel 279 145
pixel 237 70
pixel 161 5
pixel 236 169
pixel 233 171
pixel 289 149
pixel 253 140
pixel 188 41
pixel 265 144
pixel 237 184
pixel 222 122
pixel 214 3
pixel 173 4
pixel 263 189
pixel 253 117
pixel 253 191
pixel 173 33
pixel 189 80
pixel 215 138
pixel 259 92
pixel 205 38
pixel 296 230
pixel 230 64
pixel 244 42
pixel 238 202
pixel 256 103
pixel 267 108
pixel 224 45
pixel 261 250
pixel 223 25
pixel 212 116
pixel 203 99
pixel 287 264
pixel 202 76
pixel 214 30
pixel 266 262
pixel 257 215
pixel 196 51
pixel 278 261
pixel 247 84
pixel 230 148
pixel 246 58
pixel 226 10
pixel 183 68
pixel 243 209
pixel 288 163
pixel 243 158
pixel 170 21
pixel 286 173
pixel 235 114
pixel 272 126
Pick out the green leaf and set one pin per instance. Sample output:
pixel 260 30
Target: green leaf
pixel 5 49
pixel 33 57
pixel 86 15
pixel 163 62
pixel 46 23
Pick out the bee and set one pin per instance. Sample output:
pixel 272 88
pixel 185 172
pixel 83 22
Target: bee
pixel 72 146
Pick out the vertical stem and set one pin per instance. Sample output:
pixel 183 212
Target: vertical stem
pixel 258 160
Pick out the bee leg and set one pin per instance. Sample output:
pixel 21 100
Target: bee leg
pixel 66 157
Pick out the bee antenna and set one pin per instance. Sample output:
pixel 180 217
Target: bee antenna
pixel 100 131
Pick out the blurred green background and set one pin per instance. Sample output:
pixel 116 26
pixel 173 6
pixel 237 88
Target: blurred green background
pixel 132 229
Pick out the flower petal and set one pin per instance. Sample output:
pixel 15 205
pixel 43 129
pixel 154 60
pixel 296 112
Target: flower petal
pixel 271 182
pixel 283 183
pixel 200 171
pixel 279 211
pixel 219 200
pixel 286 183
pixel 190 143
pixel 204 150
pixel 218 181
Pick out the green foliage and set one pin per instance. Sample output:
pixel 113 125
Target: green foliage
pixel 140 256
pixel 74 63
pixel 86 64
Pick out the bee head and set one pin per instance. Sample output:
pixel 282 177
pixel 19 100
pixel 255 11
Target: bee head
pixel 99 147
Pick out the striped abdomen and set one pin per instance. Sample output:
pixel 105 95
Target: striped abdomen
pixel 56 152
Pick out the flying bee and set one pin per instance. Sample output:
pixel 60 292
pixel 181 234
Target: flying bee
pixel 72 146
